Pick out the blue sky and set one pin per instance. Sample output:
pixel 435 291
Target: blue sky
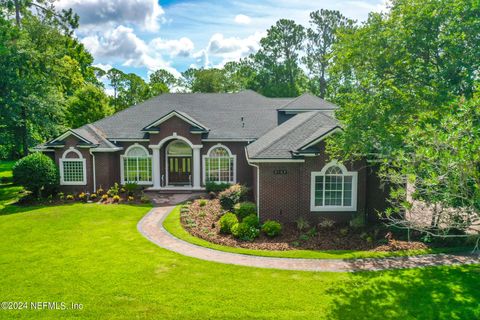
pixel 143 35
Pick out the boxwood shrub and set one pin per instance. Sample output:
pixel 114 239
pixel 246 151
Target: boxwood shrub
pixel 252 221
pixel 37 173
pixel 216 187
pixel 272 228
pixel 245 232
pixel 245 209
pixel 234 194
pixel 227 221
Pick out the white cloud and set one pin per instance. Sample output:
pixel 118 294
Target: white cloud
pixel 233 48
pixel 182 47
pixel 122 45
pixel 242 19
pixel 147 14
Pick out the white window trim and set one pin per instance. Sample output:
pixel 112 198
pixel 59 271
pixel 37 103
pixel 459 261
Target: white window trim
pixel 122 164
pixel 345 172
pixel 79 159
pixel 233 156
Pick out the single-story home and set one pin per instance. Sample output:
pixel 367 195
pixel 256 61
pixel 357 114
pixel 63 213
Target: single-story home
pixel 177 142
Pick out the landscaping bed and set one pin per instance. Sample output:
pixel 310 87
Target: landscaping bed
pixel 201 219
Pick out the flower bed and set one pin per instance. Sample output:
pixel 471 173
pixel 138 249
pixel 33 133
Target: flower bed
pixel 201 219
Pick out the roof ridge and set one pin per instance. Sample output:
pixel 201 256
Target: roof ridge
pixel 288 131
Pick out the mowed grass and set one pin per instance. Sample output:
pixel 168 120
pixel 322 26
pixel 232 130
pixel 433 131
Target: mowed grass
pixel 9 193
pixel 172 224
pixel 93 254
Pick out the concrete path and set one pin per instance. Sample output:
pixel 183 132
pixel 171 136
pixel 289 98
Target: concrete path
pixel 151 226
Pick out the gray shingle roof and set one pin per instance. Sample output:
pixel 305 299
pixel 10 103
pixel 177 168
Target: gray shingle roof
pixel 308 101
pixel 290 136
pixel 244 115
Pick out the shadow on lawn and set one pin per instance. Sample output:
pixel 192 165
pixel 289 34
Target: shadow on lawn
pixel 421 293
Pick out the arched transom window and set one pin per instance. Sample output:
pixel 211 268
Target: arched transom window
pixel 334 189
pixel 73 170
pixel 137 165
pixel 219 165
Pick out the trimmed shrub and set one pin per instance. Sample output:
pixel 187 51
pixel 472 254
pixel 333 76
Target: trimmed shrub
pixel 244 232
pixel 245 209
pixel 202 202
pixel 227 221
pixel 252 221
pixel 37 173
pixel 272 228
pixel 131 188
pixel 216 187
pixel 234 194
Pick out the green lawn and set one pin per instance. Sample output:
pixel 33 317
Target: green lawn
pixel 172 224
pixel 8 191
pixel 93 254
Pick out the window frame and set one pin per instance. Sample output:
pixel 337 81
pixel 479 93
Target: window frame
pixel 123 169
pixel 64 159
pixel 232 163
pixel 335 208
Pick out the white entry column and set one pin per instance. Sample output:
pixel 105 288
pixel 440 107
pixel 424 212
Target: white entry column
pixel 156 166
pixel 196 166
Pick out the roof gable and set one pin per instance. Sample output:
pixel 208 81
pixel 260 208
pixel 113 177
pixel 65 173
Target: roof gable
pixel 294 137
pixel 58 141
pixel 196 125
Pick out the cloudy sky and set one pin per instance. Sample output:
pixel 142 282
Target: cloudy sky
pixel 144 35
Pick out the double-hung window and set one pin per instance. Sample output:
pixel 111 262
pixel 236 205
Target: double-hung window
pixel 334 189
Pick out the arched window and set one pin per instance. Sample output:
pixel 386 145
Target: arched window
pixel 73 170
pixel 137 165
pixel 219 165
pixel 334 189
pixel 179 148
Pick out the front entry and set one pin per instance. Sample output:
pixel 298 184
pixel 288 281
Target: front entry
pixel 179 164
pixel 180 170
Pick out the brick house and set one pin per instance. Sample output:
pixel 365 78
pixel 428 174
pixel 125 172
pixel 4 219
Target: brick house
pixel 179 141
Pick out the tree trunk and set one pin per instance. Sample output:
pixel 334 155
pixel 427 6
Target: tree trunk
pixel 17 13
pixel 24 131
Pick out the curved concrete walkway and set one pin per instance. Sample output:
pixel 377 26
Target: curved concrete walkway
pixel 151 226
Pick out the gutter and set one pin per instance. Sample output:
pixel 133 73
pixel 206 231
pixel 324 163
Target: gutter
pixel 94 172
pixel 258 182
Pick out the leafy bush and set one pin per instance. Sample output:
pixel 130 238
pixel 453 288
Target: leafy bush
pixel 104 197
pixel 202 202
pixel 245 232
pixel 37 173
pixel 130 198
pixel 131 188
pixel 70 197
pixel 227 221
pixel 252 221
pixel 272 228
pixel 216 187
pixel 358 221
pixel 302 224
pixel 61 196
pixel 116 198
pixel 100 190
pixel 326 223
pixel 244 209
pixel 234 194
pixel 82 196
pixel 93 196
pixel 113 191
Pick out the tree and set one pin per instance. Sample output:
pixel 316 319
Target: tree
pixel 321 37
pixel 395 78
pixel 277 62
pixel 164 77
pixel 88 104
pixel 438 168
pixel 41 66
pixel 204 80
pixel 36 173
pixel 134 91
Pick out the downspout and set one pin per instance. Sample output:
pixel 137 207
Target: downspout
pixel 258 182
pixel 94 172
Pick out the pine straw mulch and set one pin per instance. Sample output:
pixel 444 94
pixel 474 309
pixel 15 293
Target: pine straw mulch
pixel 202 222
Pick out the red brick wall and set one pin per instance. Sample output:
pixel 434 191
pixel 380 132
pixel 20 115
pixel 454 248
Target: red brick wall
pixel 286 197
pixel 72 141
